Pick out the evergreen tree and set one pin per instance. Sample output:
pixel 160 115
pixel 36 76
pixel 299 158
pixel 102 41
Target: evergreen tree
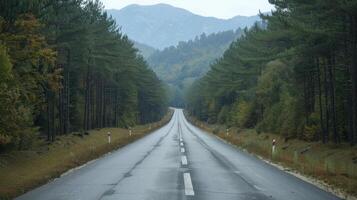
pixel 65 66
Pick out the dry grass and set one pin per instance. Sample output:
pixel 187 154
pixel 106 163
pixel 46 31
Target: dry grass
pixel 21 171
pixel 335 165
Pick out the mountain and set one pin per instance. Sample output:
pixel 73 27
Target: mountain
pixel 179 66
pixel 162 25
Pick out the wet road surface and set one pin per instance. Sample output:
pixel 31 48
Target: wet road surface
pixel 178 161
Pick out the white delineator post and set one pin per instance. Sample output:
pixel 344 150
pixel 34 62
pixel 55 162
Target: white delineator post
pixel 129 131
pixel 227 131
pixel 273 147
pixel 109 137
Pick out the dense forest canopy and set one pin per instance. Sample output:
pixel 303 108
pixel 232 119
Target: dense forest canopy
pixel 65 66
pixel 179 66
pixel 297 76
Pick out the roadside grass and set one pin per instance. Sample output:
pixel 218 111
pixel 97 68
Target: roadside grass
pixel 335 165
pixel 21 171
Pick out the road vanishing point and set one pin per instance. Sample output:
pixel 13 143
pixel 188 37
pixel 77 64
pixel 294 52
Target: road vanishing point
pixel 178 161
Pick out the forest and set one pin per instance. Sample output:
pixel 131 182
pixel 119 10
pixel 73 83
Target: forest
pixel 179 66
pixel 295 76
pixel 65 66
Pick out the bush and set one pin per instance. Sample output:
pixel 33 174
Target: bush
pixel 312 129
pixel 242 114
pixel 216 131
pixel 223 115
pixel 310 132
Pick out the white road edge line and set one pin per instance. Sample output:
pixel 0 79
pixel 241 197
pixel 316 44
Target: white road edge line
pixel 180 139
pixel 184 160
pixel 258 188
pixel 182 150
pixel 181 143
pixel 188 184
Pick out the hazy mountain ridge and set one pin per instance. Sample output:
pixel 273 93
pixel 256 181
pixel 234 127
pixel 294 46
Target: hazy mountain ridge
pixel 163 25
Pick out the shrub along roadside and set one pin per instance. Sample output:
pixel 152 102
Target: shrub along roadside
pixel 21 171
pixel 335 165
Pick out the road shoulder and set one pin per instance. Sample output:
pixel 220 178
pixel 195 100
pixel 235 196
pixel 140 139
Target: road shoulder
pixel 238 141
pixel 21 171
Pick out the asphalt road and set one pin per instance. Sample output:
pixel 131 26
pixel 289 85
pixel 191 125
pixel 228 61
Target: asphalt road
pixel 178 161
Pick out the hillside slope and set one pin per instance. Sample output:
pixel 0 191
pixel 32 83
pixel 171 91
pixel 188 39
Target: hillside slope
pixel 179 66
pixel 145 50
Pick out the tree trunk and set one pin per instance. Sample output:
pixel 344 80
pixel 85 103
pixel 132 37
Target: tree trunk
pixel 92 106
pixel 320 101
pixel 48 114
pixel 67 100
pixel 327 112
pixel 116 108
pixel 61 107
pixel 354 79
pixel 87 98
pixel 53 117
pixel 98 118
pixel 306 102
pixel 313 88
pixel 331 64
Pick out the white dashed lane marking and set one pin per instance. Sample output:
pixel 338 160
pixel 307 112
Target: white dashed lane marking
pixel 184 160
pixel 186 176
pixel 188 185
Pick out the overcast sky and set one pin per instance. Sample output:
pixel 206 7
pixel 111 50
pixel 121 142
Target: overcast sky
pixel 216 8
